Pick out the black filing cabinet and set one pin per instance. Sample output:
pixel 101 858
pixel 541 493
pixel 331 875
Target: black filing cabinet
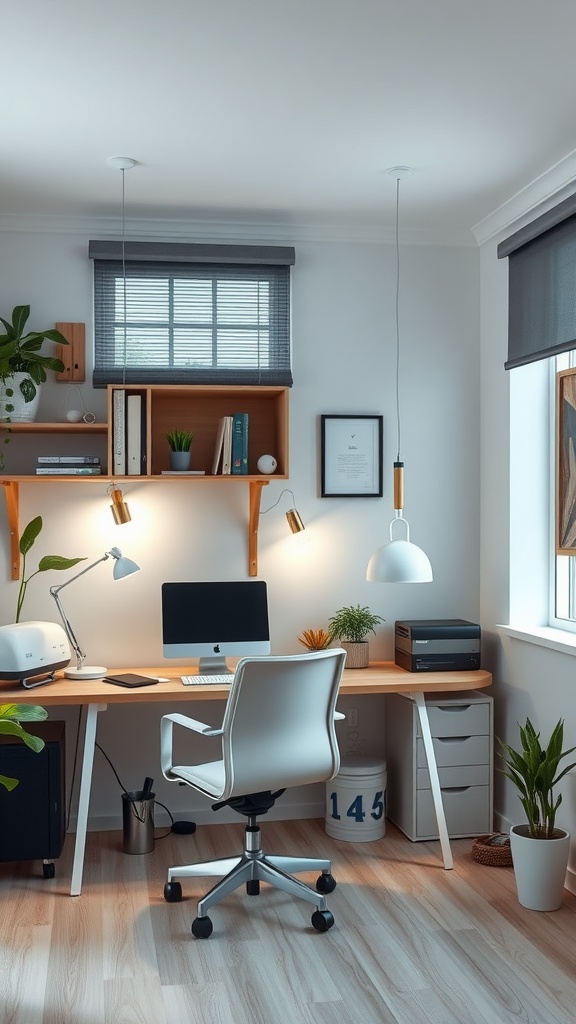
pixel 32 815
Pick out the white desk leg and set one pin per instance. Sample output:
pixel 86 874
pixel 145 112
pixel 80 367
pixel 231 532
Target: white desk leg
pixel 418 699
pixel 84 797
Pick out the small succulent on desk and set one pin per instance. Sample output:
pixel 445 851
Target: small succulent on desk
pixel 10 717
pixel 179 440
pixel 27 539
pixel 315 639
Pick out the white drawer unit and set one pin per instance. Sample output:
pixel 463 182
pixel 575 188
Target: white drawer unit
pixel 462 727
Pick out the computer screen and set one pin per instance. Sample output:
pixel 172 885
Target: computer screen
pixel 213 621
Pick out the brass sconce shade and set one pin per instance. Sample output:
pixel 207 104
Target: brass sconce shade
pixel 294 520
pixel 119 508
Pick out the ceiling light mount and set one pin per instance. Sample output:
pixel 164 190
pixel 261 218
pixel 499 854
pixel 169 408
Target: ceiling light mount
pixel 122 163
pixel 399 173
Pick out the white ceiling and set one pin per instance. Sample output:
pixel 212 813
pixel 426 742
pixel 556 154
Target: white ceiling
pixel 283 112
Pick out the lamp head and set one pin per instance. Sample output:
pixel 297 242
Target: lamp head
pixel 122 566
pixel 399 561
pixel 119 508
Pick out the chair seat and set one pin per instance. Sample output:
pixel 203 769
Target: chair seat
pixel 208 777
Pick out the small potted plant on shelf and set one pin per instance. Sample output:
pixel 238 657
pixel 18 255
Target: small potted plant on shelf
pixel 351 625
pixel 180 442
pixel 315 639
pixel 23 367
pixel 539 848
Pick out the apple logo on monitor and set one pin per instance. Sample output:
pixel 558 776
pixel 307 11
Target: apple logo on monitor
pixel 216 648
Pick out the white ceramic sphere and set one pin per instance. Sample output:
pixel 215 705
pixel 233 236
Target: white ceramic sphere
pixel 266 464
pixel 74 416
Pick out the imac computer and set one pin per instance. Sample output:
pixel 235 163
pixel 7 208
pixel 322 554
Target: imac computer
pixel 213 621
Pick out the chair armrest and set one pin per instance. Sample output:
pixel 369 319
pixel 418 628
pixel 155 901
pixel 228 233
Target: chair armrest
pixel 166 729
pixel 191 723
pixel 338 716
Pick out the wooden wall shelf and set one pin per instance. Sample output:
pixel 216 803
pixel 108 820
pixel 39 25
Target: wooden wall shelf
pixel 198 408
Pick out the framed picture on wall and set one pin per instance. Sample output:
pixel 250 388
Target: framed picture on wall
pixel 566 462
pixel 351 456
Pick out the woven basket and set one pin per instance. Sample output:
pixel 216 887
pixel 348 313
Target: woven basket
pixel 493 850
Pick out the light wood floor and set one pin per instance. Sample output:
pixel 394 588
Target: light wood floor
pixel 412 943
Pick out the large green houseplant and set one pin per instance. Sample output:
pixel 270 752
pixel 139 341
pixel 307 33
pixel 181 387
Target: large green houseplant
pixel 351 625
pixel 22 365
pixel 26 541
pixel 539 848
pixel 10 717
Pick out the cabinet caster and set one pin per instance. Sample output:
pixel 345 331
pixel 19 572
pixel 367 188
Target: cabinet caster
pixel 48 870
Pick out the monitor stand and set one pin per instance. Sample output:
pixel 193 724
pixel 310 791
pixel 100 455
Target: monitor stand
pixel 213 666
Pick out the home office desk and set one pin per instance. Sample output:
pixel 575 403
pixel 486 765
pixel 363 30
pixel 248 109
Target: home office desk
pixel 379 677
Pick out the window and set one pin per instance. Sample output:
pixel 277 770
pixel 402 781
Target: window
pixel 191 314
pixel 542 334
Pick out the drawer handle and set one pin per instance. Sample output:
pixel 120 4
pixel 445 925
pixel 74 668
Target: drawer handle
pixel 454 789
pixel 454 708
pixel 451 739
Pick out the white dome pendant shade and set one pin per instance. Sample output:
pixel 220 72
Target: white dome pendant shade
pixel 399 561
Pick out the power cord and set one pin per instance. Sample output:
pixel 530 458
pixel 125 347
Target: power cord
pixel 132 799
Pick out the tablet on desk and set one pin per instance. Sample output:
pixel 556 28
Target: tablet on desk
pixel 130 679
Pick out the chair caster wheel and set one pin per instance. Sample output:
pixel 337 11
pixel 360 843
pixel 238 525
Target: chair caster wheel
pixel 322 920
pixel 48 870
pixel 202 928
pixel 325 883
pixel 253 887
pixel 172 892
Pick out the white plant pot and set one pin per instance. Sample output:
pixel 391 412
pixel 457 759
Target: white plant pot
pixel 539 868
pixel 23 412
pixel 356 654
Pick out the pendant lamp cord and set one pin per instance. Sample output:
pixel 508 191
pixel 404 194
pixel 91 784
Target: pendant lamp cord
pixel 124 274
pixel 397 317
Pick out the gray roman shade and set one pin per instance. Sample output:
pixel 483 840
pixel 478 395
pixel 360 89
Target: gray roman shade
pixel 542 286
pixel 183 313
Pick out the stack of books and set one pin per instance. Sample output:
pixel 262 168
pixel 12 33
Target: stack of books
pixel 68 465
pixel 231 451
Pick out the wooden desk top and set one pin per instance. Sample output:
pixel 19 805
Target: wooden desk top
pixel 379 677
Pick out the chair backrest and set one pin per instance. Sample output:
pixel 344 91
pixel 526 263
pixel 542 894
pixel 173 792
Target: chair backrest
pixel 278 728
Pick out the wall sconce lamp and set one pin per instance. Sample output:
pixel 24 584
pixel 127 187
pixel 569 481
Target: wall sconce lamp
pixel 122 567
pixel 293 516
pixel 399 561
pixel 119 508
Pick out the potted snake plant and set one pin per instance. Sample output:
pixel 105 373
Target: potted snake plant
pixel 539 847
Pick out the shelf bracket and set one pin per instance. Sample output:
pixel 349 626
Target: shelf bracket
pixel 255 499
pixel 12 508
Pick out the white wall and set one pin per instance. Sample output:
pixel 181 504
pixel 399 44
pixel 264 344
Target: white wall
pixel 344 362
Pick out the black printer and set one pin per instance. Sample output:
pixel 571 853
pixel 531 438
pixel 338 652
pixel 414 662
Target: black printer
pixel 436 645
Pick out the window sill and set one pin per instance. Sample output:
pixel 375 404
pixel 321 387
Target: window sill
pixel 544 636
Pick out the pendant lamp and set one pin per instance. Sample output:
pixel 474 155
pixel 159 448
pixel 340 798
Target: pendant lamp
pixel 399 561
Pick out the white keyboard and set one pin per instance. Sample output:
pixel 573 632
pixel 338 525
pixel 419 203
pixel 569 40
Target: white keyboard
pixel 209 680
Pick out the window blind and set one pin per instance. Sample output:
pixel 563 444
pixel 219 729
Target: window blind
pixel 542 286
pixel 191 314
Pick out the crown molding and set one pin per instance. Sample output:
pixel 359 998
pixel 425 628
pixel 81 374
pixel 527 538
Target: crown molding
pixel 540 195
pixel 227 230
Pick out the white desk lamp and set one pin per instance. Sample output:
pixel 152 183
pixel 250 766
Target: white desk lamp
pixel 122 567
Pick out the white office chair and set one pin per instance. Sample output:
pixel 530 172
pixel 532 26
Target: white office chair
pixel 277 731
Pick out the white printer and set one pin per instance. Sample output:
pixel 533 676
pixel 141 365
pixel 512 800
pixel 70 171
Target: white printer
pixel 29 649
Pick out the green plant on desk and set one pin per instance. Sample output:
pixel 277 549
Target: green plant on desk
pixel 27 539
pixel 10 717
